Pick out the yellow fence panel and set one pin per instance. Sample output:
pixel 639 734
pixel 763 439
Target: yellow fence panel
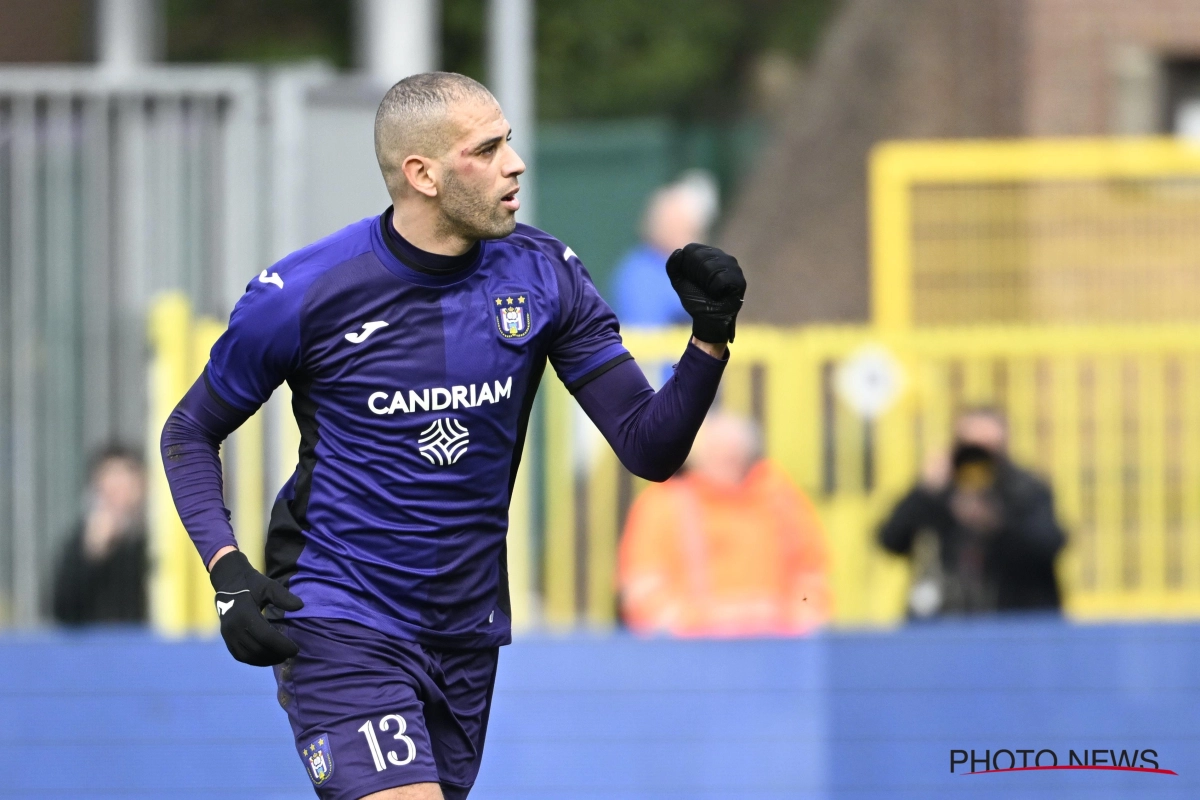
pixel 1035 231
pixel 171 552
pixel 182 595
pixel 179 587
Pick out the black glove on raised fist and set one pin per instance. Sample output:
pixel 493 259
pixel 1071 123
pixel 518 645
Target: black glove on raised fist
pixel 710 284
pixel 242 593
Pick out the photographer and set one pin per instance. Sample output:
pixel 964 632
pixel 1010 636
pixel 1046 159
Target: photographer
pixel 980 530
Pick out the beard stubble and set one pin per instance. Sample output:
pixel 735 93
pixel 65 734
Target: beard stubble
pixel 472 214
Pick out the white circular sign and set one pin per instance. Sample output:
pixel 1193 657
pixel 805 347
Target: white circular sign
pixel 870 381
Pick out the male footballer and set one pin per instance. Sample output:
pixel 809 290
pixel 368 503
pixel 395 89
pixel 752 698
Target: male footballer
pixel 413 343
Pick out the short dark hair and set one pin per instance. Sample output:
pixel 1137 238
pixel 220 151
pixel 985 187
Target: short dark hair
pixel 411 119
pixel 114 451
pixel 995 412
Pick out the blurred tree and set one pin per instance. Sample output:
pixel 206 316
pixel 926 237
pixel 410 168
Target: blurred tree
pixel 463 23
pixel 691 59
pixel 260 30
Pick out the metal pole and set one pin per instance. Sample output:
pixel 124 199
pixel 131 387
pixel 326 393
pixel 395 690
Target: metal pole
pixel 128 33
pixel 398 38
pixel 510 58
pixel 27 516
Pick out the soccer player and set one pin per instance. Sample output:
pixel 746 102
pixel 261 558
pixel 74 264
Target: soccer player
pixel 413 343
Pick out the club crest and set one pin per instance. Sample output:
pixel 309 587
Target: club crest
pixel 318 759
pixel 512 314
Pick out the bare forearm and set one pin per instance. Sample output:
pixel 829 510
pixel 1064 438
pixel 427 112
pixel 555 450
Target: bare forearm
pixel 717 351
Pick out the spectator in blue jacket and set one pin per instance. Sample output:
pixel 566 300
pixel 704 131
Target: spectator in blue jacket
pixel 676 215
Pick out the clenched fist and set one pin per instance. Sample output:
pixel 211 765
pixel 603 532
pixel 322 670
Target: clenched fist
pixel 710 284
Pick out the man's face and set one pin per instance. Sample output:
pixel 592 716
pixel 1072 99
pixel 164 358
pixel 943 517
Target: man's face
pixel 119 486
pixel 674 221
pixel 479 185
pixel 983 430
pixel 724 451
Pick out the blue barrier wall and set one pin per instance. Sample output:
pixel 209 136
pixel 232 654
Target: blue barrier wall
pixel 112 715
pixel 898 704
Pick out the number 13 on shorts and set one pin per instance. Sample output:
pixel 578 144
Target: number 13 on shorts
pixel 377 754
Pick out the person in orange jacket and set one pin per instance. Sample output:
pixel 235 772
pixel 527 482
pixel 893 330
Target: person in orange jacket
pixel 730 547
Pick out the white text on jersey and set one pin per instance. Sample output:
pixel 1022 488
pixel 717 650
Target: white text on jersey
pixel 440 398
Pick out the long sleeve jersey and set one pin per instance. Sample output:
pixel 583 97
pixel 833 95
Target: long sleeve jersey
pixel 412 385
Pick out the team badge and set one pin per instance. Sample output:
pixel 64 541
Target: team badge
pixel 318 758
pixel 512 314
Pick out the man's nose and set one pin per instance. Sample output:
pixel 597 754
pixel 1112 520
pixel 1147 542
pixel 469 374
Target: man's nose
pixel 514 166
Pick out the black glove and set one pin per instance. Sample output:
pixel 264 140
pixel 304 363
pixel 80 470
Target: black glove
pixel 242 593
pixel 710 284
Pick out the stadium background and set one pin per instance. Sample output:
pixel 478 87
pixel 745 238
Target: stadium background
pixel 1035 250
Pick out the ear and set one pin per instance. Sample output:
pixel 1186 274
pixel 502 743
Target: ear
pixel 422 174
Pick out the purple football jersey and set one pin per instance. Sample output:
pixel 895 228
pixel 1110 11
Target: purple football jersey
pixel 412 390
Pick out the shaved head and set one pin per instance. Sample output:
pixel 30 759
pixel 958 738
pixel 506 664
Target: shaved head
pixel 414 119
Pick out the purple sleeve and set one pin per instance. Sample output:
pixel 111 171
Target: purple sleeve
pixel 190 446
pixel 588 336
pixel 257 352
pixel 652 432
pixel 261 346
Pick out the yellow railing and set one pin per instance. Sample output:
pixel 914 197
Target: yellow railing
pixel 1035 231
pixel 1111 415
pixel 179 587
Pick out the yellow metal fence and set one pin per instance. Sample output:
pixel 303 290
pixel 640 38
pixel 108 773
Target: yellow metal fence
pixel 179 587
pixel 1035 231
pixel 1110 415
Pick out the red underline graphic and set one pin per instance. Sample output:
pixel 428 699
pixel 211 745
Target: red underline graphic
pixel 1077 766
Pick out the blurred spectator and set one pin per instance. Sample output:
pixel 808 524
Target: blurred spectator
pixel 676 215
pixel 728 548
pixel 980 530
pixel 101 575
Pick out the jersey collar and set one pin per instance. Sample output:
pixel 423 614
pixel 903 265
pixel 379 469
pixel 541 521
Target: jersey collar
pixel 404 266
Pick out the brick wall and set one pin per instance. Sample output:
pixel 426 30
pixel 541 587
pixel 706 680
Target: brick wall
pixel 1073 59
pixel 45 31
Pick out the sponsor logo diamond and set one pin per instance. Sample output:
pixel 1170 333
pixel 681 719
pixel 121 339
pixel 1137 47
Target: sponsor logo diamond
pixel 444 442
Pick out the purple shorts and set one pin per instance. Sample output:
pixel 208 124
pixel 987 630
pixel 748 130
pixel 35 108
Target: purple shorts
pixel 370 712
